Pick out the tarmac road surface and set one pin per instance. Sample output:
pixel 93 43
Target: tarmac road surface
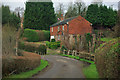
pixel 61 67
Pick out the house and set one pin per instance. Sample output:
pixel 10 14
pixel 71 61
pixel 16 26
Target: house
pixel 72 26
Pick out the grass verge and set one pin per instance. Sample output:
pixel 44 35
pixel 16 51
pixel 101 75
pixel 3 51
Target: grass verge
pixel 29 74
pixel 106 39
pixel 90 71
pixel 77 57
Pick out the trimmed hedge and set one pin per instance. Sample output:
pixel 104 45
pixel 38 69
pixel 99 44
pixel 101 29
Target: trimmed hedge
pixel 17 64
pixel 31 35
pixel 27 46
pixel 107 59
pixel 42 49
pixel 36 35
pixel 53 45
pixel 46 35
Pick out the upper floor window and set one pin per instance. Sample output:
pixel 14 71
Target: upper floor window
pixel 58 37
pixel 58 28
pixel 63 27
pixel 52 29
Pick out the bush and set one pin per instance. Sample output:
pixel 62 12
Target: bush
pixel 89 38
pixel 52 40
pixel 63 48
pixel 19 64
pixel 107 61
pixel 31 35
pixel 42 49
pixel 53 45
pixel 30 47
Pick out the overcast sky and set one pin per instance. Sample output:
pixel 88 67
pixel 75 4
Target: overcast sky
pixel 21 3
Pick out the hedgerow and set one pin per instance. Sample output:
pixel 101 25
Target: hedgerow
pixel 107 59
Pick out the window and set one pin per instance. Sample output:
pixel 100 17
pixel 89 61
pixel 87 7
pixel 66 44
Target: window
pixel 58 37
pixel 52 29
pixel 58 28
pixel 63 27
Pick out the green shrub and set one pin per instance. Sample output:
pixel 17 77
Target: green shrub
pixel 89 38
pixel 31 35
pixel 63 48
pixel 53 45
pixel 42 49
pixel 107 61
pixel 48 44
pixel 52 40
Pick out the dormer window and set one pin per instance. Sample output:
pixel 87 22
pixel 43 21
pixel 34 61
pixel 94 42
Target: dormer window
pixel 58 28
pixel 52 29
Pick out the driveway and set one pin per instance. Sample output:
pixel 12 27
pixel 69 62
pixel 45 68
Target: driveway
pixel 61 67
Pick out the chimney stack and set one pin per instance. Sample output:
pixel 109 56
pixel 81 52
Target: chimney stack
pixel 61 17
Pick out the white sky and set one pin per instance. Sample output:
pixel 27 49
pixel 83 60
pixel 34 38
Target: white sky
pixel 21 3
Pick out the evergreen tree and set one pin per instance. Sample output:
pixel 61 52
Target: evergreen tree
pixel 5 14
pixel 39 15
pixel 101 16
pixel 8 17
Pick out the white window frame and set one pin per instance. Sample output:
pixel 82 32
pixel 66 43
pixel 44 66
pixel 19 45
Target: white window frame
pixel 63 27
pixel 58 37
pixel 58 28
pixel 52 29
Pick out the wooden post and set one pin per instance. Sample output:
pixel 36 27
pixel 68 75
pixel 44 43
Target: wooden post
pixel 68 52
pixel 93 43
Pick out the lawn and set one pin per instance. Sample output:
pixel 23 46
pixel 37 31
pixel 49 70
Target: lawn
pixel 91 71
pixel 29 74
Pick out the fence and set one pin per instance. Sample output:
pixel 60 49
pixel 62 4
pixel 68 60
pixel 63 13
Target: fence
pixel 82 55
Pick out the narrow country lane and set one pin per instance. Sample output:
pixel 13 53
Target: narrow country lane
pixel 61 67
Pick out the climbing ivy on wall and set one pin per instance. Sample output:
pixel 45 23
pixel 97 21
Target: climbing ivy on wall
pixel 89 38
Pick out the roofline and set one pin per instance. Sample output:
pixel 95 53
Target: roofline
pixel 63 21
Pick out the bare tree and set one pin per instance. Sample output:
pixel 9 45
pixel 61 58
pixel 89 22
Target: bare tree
pixel 78 8
pixel 60 10
pixel 19 11
pixel 81 7
pixel 99 2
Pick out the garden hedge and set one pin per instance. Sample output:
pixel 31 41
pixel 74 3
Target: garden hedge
pixel 36 35
pixel 31 35
pixel 107 59
pixel 30 47
pixel 12 65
